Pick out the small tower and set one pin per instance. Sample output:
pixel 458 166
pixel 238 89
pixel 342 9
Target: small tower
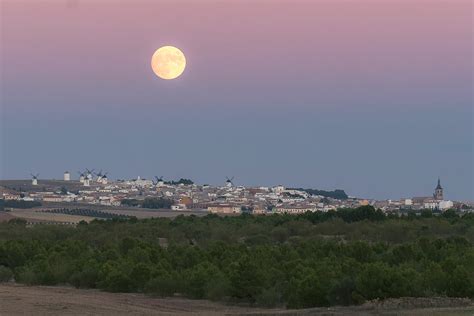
pixel 438 194
pixel 87 182
pixel 67 176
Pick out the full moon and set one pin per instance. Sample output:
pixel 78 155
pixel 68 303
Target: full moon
pixel 168 62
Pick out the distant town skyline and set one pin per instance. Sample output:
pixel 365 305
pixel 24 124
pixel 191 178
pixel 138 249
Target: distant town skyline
pixel 81 174
pixel 370 97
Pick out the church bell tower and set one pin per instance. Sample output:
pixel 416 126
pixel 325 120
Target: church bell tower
pixel 438 194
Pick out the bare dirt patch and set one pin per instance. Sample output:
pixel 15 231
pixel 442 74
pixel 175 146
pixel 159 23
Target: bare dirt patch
pixel 44 300
pixel 5 217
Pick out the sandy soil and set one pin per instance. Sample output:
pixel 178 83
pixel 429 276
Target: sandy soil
pixel 42 300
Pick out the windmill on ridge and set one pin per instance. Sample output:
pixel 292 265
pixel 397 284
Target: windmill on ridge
pixel 228 182
pixel 89 174
pixel 34 179
pixel 81 176
pixel 158 181
pixel 102 177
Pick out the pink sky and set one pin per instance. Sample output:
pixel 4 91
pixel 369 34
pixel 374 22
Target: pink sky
pixel 253 52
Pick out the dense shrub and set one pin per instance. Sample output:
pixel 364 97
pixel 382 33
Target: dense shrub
pixel 154 203
pixel 6 274
pixel 20 203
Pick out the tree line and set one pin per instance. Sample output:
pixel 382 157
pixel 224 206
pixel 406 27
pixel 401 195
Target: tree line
pixel 298 261
pixel 18 204
pixel 153 203
pixel 335 194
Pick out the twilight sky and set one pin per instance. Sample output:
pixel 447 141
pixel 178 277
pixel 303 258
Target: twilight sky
pixel 374 97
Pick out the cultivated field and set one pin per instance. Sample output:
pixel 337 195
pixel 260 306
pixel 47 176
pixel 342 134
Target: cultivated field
pixel 45 300
pixel 32 216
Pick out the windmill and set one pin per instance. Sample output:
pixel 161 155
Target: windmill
pixel 158 181
pixel 228 182
pixel 89 173
pixel 34 179
pixel 99 176
pixel 102 178
pixel 81 176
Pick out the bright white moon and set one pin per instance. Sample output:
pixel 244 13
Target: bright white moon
pixel 168 62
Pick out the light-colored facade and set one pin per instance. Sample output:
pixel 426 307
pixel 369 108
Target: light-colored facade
pixel 224 209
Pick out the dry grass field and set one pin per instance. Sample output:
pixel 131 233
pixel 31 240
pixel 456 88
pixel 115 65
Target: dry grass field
pixel 31 215
pixel 44 300
pixel 34 215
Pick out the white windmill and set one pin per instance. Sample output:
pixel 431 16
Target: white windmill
pixel 99 176
pixel 81 176
pixel 159 181
pixel 102 177
pixel 89 174
pixel 229 183
pixel 34 179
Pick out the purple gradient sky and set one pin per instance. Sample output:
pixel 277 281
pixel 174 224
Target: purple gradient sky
pixel 374 97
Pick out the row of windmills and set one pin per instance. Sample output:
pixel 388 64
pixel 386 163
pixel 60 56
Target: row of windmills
pixel 85 177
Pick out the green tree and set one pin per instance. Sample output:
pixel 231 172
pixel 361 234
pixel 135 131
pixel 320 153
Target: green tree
pixel 6 274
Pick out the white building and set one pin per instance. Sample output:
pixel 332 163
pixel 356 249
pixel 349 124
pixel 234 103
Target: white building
pixel 224 209
pixel 67 176
pixel 278 189
pixel 178 207
pixel 139 182
pixel 444 205
pixel 438 205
